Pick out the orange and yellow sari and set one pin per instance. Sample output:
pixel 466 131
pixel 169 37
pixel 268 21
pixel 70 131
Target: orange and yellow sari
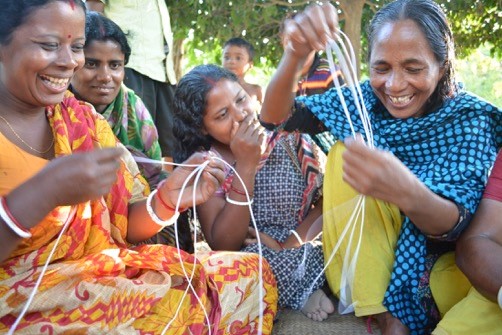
pixel 96 283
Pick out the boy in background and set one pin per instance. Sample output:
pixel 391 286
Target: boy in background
pixel 238 57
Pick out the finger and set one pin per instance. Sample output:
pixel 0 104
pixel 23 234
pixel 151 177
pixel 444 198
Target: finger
pixel 314 27
pixel 107 154
pixel 197 158
pixel 293 33
pixel 331 16
pixel 235 129
pixel 213 178
pixel 252 232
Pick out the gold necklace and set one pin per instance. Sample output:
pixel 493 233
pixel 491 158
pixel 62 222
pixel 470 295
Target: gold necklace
pixel 29 146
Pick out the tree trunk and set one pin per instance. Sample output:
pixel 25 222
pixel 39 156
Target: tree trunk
pixel 352 13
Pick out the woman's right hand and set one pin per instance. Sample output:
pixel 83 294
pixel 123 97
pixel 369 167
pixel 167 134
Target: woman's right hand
pixel 80 177
pixel 248 141
pixel 311 29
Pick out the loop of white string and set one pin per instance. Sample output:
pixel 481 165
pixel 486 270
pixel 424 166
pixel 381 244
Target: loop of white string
pixel 197 172
pixel 347 61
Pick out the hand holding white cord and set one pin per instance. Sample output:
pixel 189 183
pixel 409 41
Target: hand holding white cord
pixel 311 29
pixel 377 173
pixel 211 179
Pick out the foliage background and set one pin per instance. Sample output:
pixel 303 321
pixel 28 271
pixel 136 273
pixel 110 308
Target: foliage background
pixel 202 26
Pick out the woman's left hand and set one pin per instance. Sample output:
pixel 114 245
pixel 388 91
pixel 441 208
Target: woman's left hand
pixel 264 239
pixel 377 173
pixel 212 177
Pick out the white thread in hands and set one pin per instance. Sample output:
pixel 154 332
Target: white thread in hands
pixel 198 171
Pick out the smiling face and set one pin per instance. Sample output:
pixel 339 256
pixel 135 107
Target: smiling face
pixel 403 70
pixel 236 59
pixel 43 54
pixel 227 103
pixel 98 82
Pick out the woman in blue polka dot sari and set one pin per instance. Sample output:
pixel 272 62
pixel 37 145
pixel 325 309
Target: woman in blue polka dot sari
pixel 434 146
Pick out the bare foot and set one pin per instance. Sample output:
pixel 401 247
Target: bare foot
pixel 318 306
pixel 390 325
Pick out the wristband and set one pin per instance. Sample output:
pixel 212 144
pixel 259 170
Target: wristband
pixel 236 190
pixel 298 238
pixel 163 223
pixel 11 222
pixel 238 203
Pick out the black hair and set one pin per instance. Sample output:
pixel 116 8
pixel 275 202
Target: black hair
pixel 240 42
pixel 433 23
pixel 15 12
pixel 100 28
pixel 190 100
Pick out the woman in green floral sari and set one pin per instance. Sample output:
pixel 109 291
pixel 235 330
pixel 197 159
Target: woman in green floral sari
pixel 100 82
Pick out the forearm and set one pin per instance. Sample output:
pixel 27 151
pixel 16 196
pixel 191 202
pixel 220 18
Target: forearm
pixel 308 229
pixel 229 227
pixel 480 258
pixel 280 93
pixel 33 195
pixel 140 224
pixel 432 214
pixel 479 249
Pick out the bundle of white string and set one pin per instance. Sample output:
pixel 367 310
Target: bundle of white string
pixel 347 62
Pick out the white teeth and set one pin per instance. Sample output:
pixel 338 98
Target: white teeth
pixel 400 100
pixel 56 82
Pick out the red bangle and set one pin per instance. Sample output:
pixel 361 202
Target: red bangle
pixel 165 203
pixel 236 190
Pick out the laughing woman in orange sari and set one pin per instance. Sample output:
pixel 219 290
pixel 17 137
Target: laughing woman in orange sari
pixel 68 186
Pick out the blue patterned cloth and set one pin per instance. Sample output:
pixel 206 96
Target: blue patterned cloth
pixel 451 150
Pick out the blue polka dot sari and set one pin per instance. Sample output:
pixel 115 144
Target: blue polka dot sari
pixel 451 150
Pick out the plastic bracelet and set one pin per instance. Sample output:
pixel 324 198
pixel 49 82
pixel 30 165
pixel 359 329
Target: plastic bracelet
pixel 163 223
pixel 236 190
pixel 292 231
pixel 238 203
pixel 181 210
pixel 10 221
pixel 500 298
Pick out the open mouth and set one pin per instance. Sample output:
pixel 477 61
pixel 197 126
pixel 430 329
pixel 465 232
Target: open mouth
pixel 402 100
pixel 54 82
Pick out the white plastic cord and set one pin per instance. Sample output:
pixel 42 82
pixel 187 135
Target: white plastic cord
pixel 42 273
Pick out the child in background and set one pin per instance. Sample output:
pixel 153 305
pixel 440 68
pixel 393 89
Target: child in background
pixel 238 57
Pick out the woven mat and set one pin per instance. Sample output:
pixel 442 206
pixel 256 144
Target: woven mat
pixel 291 322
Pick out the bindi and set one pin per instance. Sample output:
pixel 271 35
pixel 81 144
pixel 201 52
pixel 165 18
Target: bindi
pixel 69 36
